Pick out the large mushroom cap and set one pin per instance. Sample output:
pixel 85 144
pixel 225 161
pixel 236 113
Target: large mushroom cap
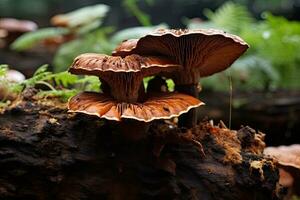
pixel 208 50
pixel 96 64
pixel 161 106
pixel 14 25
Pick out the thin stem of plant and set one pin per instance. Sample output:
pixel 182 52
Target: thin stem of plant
pixel 230 100
pixel 47 84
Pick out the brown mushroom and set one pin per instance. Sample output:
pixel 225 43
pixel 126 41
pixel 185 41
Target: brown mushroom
pixel 123 75
pixel 11 28
pixel 159 106
pixel 289 165
pixel 123 78
pixel 201 52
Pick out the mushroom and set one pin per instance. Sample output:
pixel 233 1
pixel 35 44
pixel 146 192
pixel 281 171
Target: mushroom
pixel 123 75
pixel 160 106
pixel 201 52
pixel 11 28
pixel 124 96
pixel 289 165
pixel 11 76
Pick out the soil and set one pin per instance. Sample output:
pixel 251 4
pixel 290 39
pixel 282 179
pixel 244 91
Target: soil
pixel 48 153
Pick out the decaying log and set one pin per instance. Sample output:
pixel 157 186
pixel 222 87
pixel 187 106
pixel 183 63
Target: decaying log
pixel 47 153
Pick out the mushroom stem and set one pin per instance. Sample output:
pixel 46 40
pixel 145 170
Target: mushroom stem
pixel 188 119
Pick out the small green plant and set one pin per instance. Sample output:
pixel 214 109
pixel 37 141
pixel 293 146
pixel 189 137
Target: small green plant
pixel 61 85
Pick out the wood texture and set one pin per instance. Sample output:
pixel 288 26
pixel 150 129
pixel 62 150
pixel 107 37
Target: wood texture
pixel 47 153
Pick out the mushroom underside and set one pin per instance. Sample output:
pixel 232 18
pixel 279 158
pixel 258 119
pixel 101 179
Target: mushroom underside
pixel 204 51
pixel 158 106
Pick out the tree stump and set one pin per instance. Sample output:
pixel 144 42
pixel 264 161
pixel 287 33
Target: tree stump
pixel 47 153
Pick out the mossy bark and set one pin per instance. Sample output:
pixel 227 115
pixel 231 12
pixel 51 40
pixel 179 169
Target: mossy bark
pixel 47 153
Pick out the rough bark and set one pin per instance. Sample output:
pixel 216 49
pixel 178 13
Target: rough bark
pixel 46 153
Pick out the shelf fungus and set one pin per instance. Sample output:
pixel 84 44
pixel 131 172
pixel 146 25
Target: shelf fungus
pixel 200 52
pixel 124 96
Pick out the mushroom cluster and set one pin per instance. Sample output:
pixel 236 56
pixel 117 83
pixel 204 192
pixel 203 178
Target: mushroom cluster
pixel 200 52
pixel 124 97
pixel 183 55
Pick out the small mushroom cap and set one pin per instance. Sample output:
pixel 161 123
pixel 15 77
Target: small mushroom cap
pixel 125 47
pixel 160 106
pixel 209 50
pixel 95 64
pixel 15 25
pixel 15 76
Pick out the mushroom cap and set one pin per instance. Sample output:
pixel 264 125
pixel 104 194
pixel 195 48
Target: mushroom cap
pixel 159 106
pixel 15 25
pixel 288 156
pixel 208 50
pixel 96 64
pixel 125 47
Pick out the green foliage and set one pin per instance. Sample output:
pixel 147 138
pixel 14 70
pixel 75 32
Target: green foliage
pixel 273 58
pixel 63 94
pixel 3 70
pixel 132 7
pixel 277 40
pixel 170 85
pixel 134 32
pixel 86 15
pixel 146 81
pixel 80 22
pixel 231 17
pixel 28 40
pixel 96 42
pixel 62 85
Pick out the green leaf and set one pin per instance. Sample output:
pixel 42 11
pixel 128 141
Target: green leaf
pixel 86 15
pixel 28 40
pixel 134 32
pixel 64 94
pixel 3 70
pixel 170 84
pixel 132 7
pixel 96 42
pixel 230 16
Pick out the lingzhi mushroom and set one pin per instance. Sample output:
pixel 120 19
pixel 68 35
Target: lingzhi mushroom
pixel 200 52
pixel 124 96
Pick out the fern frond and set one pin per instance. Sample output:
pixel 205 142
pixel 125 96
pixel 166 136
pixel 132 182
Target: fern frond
pixel 230 16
